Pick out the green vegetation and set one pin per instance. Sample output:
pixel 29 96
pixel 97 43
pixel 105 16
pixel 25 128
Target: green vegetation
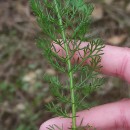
pixel 55 18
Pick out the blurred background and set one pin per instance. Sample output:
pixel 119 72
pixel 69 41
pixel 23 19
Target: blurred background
pixel 23 92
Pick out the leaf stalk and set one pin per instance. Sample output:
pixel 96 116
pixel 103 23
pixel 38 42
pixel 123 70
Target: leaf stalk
pixel 69 66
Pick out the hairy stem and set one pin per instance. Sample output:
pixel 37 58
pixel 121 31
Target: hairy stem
pixel 69 67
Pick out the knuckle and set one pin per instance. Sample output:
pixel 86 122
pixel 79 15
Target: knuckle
pixel 124 66
pixel 122 120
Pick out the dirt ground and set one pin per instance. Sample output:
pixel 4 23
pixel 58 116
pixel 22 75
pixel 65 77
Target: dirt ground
pixel 23 92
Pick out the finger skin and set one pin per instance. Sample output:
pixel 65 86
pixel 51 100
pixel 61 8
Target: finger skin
pixel 115 60
pixel 113 116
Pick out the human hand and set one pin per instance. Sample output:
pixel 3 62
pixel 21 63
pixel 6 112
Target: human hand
pixel 113 116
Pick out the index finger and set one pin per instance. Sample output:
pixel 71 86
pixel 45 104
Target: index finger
pixel 115 60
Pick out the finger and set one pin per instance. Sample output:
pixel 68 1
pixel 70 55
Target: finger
pixel 115 61
pixel 113 116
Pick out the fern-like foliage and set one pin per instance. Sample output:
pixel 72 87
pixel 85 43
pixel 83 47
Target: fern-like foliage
pixel 55 18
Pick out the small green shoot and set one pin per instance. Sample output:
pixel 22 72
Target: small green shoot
pixel 64 24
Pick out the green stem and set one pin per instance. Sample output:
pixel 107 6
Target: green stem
pixel 69 67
